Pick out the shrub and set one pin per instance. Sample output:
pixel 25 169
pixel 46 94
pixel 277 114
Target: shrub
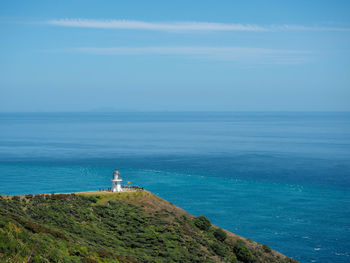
pixel 219 234
pixel 93 199
pixel 202 222
pixel 266 248
pixel 218 249
pixel 242 252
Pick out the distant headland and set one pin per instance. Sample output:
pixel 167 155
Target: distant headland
pixel 129 225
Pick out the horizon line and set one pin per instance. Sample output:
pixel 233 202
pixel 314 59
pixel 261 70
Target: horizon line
pixel 178 111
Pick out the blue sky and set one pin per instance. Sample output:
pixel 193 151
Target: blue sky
pixel 175 55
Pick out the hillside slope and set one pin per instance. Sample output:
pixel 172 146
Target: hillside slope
pixel 116 227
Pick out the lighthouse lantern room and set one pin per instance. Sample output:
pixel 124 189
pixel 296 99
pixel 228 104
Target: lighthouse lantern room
pixel 116 182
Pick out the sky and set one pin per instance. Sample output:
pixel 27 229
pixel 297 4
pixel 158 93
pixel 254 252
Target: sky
pixel 197 55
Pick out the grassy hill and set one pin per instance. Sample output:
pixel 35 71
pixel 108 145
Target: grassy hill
pixel 116 227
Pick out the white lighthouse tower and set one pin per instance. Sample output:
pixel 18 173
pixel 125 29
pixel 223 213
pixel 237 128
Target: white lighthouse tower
pixel 116 182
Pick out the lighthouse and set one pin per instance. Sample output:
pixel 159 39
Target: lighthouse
pixel 116 182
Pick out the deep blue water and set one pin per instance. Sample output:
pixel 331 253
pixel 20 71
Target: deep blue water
pixel 279 178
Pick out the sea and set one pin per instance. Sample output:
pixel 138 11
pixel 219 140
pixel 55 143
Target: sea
pixel 279 178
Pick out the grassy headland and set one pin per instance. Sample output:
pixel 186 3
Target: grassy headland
pixel 116 227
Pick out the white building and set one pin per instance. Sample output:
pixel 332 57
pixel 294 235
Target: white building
pixel 116 182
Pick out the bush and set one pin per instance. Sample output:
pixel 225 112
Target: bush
pixel 219 234
pixel 218 249
pixel 93 199
pixel 266 248
pixel 242 252
pixel 202 222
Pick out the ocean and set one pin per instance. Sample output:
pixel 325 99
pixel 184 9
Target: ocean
pixel 279 178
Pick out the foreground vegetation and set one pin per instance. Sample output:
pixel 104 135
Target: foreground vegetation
pixel 116 227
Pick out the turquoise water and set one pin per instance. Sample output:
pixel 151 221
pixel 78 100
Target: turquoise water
pixel 279 178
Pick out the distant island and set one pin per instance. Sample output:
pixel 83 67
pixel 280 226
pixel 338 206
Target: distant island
pixel 132 226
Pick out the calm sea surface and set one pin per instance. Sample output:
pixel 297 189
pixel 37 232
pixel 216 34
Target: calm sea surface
pixel 279 178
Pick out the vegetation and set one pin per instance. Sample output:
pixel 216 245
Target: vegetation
pixel 115 227
pixel 266 248
pixel 202 223
pixel 220 234
pixel 242 252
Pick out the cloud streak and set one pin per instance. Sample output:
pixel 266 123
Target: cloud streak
pixel 165 26
pixel 181 26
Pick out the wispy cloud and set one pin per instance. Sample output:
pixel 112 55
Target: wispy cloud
pixel 183 26
pixel 239 54
pixel 164 26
